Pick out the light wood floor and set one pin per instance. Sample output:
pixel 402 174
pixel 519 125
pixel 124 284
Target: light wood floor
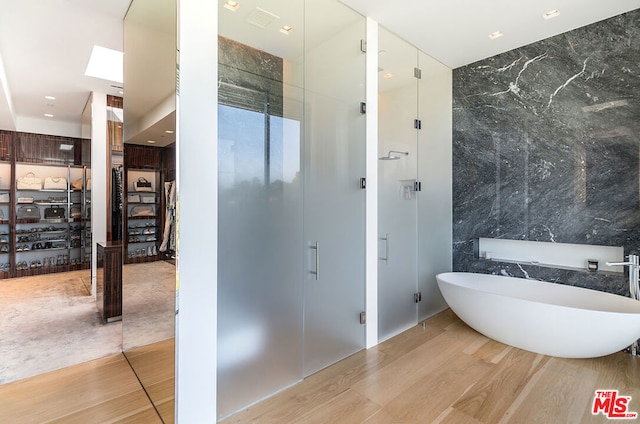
pixel 448 373
pixel 444 373
pixel 101 391
pixel 155 367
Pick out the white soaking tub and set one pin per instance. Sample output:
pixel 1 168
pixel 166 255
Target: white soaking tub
pixel 548 318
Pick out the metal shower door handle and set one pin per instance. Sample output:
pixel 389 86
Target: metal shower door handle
pixel 316 247
pixel 386 248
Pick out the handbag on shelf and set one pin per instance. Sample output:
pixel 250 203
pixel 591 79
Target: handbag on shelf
pixel 5 198
pixel 54 212
pixel 55 183
pixel 29 181
pixel 28 212
pixel 133 198
pixel 75 212
pixel 77 184
pixel 148 199
pixel 143 184
pixel 141 210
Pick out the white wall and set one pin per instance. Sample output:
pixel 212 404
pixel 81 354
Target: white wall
pixel 50 127
pixel 98 106
pixel 197 212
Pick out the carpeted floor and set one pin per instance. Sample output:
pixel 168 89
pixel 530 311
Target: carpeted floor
pixel 148 304
pixel 50 322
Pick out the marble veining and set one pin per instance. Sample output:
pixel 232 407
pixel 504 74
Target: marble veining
pixel 546 147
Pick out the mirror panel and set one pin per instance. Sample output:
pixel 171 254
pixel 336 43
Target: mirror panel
pixel 148 198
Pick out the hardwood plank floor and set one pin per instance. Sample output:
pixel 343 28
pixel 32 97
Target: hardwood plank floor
pixel 448 373
pixel 443 373
pixel 101 391
pixel 154 366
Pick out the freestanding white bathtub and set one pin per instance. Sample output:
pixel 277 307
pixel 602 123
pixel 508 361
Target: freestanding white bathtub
pixel 552 319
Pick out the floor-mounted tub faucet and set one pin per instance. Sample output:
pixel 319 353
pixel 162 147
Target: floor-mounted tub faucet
pixel 633 262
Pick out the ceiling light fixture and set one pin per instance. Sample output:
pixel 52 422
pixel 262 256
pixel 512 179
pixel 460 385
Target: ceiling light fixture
pixel 151 141
pixel 48 115
pixel 551 14
pixel 232 5
pixel 286 30
pixel 169 132
pixel 50 97
pixel 388 75
pixel 495 35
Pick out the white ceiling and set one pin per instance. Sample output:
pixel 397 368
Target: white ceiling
pixel 45 47
pixel 45 44
pixel 456 32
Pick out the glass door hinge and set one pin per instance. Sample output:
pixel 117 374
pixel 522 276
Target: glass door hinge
pixel 363 183
pixel 417 72
pixel 418 297
pixel 417 124
pixel 363 46
pixel 363 317
pixel 417 186
pixel 363 107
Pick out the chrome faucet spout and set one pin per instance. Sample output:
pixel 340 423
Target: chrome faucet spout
pixel 620 263
pixel 634 286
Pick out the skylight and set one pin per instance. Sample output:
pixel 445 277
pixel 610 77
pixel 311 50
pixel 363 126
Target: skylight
pixel 105 64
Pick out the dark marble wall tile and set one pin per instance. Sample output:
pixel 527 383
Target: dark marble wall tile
pixel 258 73
pixel 546 147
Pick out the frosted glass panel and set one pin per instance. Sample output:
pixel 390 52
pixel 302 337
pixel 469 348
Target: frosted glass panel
pixel 334 203
pixel 260 230
pixel 397 207
pixel 434 170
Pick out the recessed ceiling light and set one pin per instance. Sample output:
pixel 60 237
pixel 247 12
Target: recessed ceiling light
pixel 232 5
pixel 388 75
pixel 50 97
pixel 495 35
pixel 48 115
pixel 551 14
pixel 151 141
pixel 105 63
pixel 168 131
pixel 286 30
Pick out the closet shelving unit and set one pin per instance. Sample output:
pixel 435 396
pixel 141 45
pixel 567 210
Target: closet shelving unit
pixel 5 220
pixel 67 237
pixel 45 245
pixel 142 232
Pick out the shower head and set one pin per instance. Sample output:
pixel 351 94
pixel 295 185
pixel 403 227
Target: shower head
pixel 394 155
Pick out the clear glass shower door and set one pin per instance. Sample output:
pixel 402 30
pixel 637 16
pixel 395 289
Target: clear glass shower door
pixel 397 197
